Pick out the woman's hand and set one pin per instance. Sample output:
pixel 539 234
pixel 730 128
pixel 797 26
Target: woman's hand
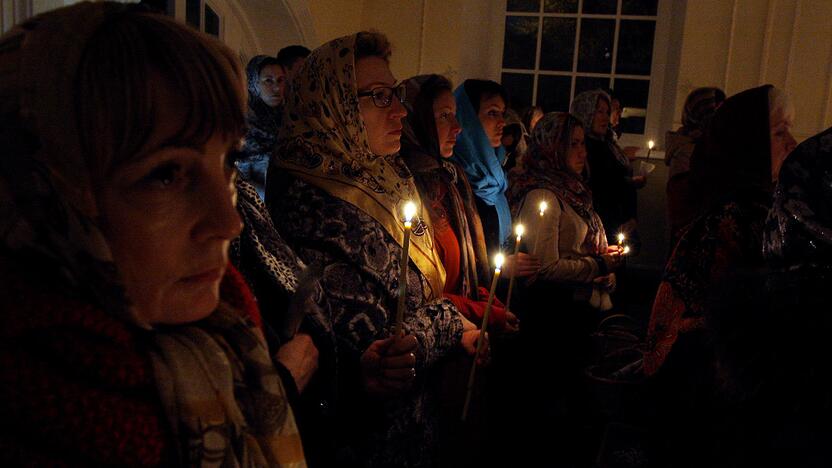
pixel 612 260
pixel 606 282
pixel 388 366
pixel 469 344
pixel 512 323
pixel 521 264
pixel 300 357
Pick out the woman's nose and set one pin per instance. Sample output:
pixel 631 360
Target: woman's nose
pixel 397 109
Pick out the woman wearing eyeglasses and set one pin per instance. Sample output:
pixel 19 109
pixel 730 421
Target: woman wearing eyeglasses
pixel 335 191
pixel 266 79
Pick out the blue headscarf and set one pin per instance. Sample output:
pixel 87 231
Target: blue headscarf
pixel 482 162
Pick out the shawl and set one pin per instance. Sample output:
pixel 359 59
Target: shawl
pixel 50 233
pixel 732 160
pixel 583 107
pixel 420 151
pixel 482 163
pixel 323 141
pixel 799 226
pixel 263 124
pixel 545 168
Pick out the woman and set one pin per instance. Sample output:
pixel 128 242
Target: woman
pixel 266 80
pixel 735 170
pixel 700 106
pixel 577 273
pixel 531 116
pixel 481 106
pixel 430 132
pixel 336 196
pixel 515 140
pixel 127 340
pixel 610 173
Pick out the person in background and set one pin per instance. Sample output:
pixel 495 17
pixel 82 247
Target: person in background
pixel 291 58
pixel 700 106
pixel 127 339
pixel 515 140
pixel 335 192
pixel 616 108
pixel 266 80
pixel 531 116
pixel 610 172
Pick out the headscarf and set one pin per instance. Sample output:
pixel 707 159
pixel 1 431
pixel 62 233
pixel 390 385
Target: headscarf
pixel 799 227
pixel 700 106
pixel 420 150
pixel 50 228
pixel 521 135
pixel 583 107
pixel 733 158
pixel 260 115
pixel 546 168
pixel 482 162
pixel 323 141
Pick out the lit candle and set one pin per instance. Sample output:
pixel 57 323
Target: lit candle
pixel 621 239
pixel 626 250
pixel 518 231
pixel 542 208
pixel 650 145
pixel 409 212
pixel 498 263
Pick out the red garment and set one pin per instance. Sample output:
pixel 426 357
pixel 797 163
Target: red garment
pixel 77 385
pixel 475 310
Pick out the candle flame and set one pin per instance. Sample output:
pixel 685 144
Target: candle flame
pixel 498 261
pixel 409 211
pixel 651 144
pixel 626 249
pixel 543 205
pixel 621 237
pixel 519 230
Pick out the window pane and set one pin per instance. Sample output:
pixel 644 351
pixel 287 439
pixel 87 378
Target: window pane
pixel 519 88
pixel 633 93
pixel 212 22
pixel 635 47
pixel 523 5
pixel 634 124
pixel 558 44
pixel 639 7
pixel 560 6
pixel 600 7
pixel 595 54
pixel 553 93
pixel 192 15
pixel 520 42
pixel 588 83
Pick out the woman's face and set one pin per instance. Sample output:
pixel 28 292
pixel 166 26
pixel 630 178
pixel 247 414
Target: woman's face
pixel 576 156
pixel 601 119
pixel 270 85
pixel 615 112
pixel 492 117
pixel 383 124
pixel 782 142
pixel 168 216
pixel 447 127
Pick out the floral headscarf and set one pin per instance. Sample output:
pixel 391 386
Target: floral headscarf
pixel 323 141
pixel 545 168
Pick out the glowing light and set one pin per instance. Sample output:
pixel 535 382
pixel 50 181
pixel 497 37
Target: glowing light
pixel 498 261
pixel 542 207
pixel 409 211
pixel 626 249
pixel 621 237
pixel 519 230
pixel 651 144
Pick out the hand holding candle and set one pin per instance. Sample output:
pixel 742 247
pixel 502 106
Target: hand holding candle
pixel 498 264
pixel 409 213
pixel 519 230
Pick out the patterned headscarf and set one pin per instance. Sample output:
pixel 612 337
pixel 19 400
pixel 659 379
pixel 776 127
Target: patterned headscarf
pixel 799 226
pixel 323 141
pixel 700 106
pixel 583 107
pixel 482 163
pixel 546 168
pixel 49 228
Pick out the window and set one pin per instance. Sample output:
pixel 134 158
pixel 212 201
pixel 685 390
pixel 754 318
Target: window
pixel 555 49
pixel 202 16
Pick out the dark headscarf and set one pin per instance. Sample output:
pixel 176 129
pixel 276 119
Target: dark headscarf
pixel 545 168
pixel 700 106
pixel 799 226
pixel 732 161
pixel 420 151
pixel 260 114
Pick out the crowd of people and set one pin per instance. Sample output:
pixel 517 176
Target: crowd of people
pixel 204 263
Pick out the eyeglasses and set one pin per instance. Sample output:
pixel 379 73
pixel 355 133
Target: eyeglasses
pixel 383 95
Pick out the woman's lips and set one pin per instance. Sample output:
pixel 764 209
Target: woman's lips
pixel 207 276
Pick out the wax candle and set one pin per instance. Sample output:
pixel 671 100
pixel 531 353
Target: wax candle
pixel 519 230
pixel 409 212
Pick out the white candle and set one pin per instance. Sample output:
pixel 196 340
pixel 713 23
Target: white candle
pixel 542 209
pixel 650 145
pixel 519 230
pixel 409 212
pixel 621 239
pixel 498 263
